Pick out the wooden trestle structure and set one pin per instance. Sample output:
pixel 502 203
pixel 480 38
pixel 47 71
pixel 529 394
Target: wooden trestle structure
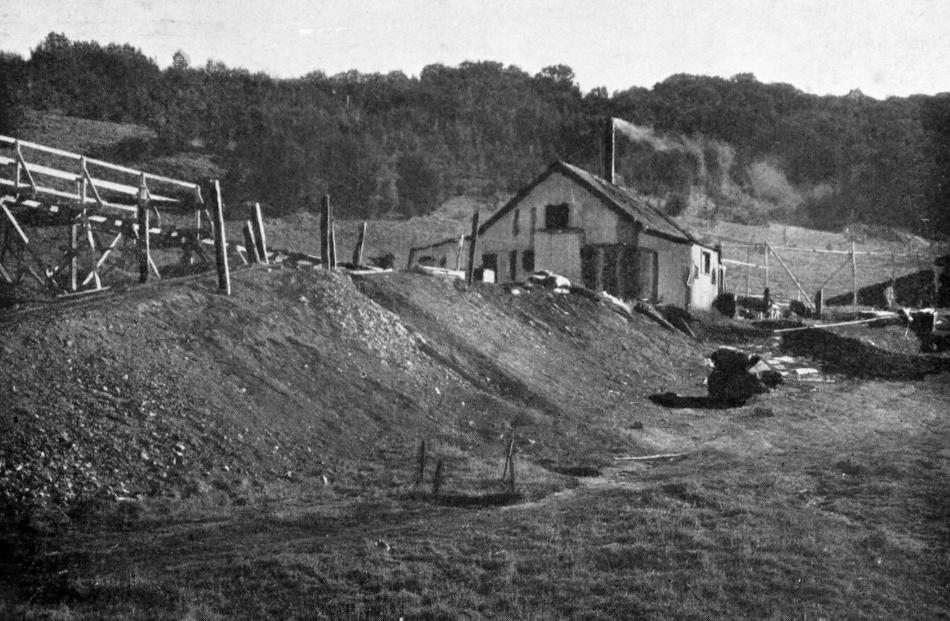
pixel 100 205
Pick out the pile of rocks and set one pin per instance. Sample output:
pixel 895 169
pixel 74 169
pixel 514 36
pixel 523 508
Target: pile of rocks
pixel 738 376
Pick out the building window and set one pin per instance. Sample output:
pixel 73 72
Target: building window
pixel 707 263
pixel 490 262
pixel 527 261
pixel 557 216
pixel 516 223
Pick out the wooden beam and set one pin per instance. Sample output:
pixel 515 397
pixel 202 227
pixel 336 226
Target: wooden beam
pixel 332 242
pixel 792 276
pixel 50 283
pixel 220 242
pixel 102 258
pixel 250 243
pixel 358 249
pixel 470 271
pixel 144 241
pixel 854 277
pixel 259 235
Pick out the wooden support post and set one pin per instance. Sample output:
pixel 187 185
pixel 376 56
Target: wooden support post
pixel 332 242
pixel 92 248
pixel 360 242
pixel 73 263
pixel 48 282
pixel 259 235
pixel 144 241
pixel 819 303
pixel 412 255
pixel 765 252
pixel 893 266
pixel 473 244
pixel 325 231
pixel 854 277
pixel 437 479
pixel 458 252
pixel 748 271
pixel 421 463
pixel 511 468
pixel 250 243
pixel 508 455
pixel 220 242
pixel 102 259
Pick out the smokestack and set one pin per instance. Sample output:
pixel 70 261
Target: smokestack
pixel 609 150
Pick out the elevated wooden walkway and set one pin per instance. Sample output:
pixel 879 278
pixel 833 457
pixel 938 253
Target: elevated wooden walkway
pixel 45 188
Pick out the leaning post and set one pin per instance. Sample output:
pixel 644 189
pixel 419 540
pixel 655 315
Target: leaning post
pixel 470 270
pixel 250 243
pixel 220 242
pixel 854 277
pixel 259 236
pixel 144 241
pixel 358 250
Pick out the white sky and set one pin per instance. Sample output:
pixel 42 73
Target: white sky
pixel 895 47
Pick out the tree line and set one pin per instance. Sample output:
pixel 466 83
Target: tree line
pixel 396 145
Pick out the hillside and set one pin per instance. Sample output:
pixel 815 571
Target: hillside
pixel 393 144
pixel 176 453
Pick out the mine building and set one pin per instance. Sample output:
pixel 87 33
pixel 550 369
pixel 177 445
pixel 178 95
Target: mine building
pixel 594 232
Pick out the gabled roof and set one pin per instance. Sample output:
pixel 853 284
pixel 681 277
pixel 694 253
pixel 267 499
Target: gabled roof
pixel 621 200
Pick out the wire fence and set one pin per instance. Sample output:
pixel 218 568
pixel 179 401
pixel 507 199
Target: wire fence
pixel 797 273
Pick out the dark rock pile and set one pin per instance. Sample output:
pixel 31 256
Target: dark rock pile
pixel 738 376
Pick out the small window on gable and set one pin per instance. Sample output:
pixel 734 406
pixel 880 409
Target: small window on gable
pixel 707 262
pixel 557 216
pixel 516 223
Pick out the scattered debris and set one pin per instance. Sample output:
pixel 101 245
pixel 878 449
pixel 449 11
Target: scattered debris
pixel 737 376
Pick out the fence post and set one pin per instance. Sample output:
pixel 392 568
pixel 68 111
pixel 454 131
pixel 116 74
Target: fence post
pixel 748 271
pixel 144 242
pixel 421 463
pixel 220 242
pixel 250 243
pixel 470 271
pixel 259 235
pixel 325 231
pixel 437 479
pixel 358 250
pixel 74 250
pixel 765 255
pixel 854 277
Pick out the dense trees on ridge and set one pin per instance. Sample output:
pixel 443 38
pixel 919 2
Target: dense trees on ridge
pixel 397 145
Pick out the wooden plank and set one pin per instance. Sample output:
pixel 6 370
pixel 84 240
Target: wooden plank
pixel 470 271
pixel 259 234
pixel 220 242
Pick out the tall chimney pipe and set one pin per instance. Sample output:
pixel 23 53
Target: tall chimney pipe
pixel 609 150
